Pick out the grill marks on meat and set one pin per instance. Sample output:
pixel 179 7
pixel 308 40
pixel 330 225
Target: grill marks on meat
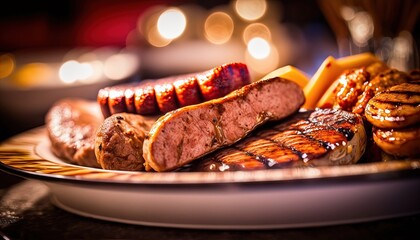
pixel 397 107
pixel 395 115
pixel 313 141
pixel 154 97
pixel 188 133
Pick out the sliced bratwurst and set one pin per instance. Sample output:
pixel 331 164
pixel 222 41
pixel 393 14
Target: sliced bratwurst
pixel 188 133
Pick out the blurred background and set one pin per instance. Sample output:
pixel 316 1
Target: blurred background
pixel 72 48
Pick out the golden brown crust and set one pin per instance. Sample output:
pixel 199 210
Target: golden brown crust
pixel 119 142
pixel 398 142
pixel 71 126
pixel 398 107
pixel 152 97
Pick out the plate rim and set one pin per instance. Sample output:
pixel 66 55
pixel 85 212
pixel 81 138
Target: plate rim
pixel 26 143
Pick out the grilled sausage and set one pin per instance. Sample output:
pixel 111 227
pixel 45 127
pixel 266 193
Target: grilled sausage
pixel 398 107
pixel 188 133
pixel 153 97
pixel 323 137
pixel 71 125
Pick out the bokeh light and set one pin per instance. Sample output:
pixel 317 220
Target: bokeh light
pixel 72 70
pixel 120 66
pixel 256 30
pixel 95 71
pixel 259 48
pixel 32 74
pixel 218 27
pixel 259 67
pixel 361 28
pixel 171 23
pixel 7 65
pixel 251 10
pixel 156 39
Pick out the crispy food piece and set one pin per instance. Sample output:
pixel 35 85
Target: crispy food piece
pixel 188 133
pixel 399 142
pixel 398 107
pixel 320 138
pixel 153 97
pixel 71 125
pixel 355 87
pixel 379 84
pixel 350 86
pixel 119 141
pixel 328 99
pixel 329 71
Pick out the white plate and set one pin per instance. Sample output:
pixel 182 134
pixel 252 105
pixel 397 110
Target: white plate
pixel 280 198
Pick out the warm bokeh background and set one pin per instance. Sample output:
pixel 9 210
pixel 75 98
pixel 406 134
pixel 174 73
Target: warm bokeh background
pixel 53 49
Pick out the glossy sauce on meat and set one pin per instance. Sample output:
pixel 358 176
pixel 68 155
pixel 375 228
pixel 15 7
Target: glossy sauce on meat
pixel 322 137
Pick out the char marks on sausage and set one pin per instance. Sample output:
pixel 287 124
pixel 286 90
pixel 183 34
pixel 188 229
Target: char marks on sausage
pixel 152 97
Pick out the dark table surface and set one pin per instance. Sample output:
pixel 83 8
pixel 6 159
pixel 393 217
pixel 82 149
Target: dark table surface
pixel 27 213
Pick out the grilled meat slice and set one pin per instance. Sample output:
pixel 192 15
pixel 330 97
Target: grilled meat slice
pixel 119 141
pixel 398 107
pixel 323 137
pixel 399 142
pixel 154 97
pixel 71 125
pixel 188 133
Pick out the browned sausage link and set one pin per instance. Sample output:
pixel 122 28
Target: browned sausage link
pixel 103 97
pixel 187 91
pixel 145 100
pixel 166 94
pixel 165 97
pixel 222 80
pixel 116 101
pixel 129 100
